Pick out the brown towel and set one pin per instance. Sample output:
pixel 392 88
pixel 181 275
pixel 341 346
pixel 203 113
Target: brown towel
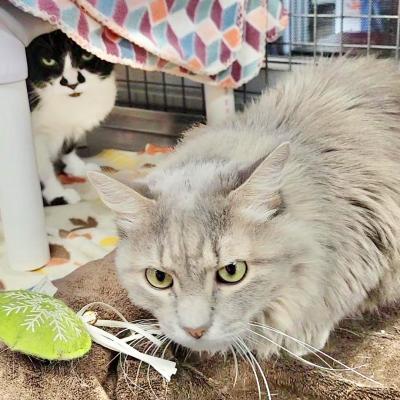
pixel 373 341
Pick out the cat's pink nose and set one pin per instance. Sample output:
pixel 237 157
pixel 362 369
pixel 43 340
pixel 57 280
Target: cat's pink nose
pixel 196 333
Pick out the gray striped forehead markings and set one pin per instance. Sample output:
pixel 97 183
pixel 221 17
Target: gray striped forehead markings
pixel 185 241
pixel 159 234
pixel 184 247
pixel 200 247
pixel 161 252
pixel 182 228
pixel 194 247
pixel 215 249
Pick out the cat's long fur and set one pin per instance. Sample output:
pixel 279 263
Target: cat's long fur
pixel 319 227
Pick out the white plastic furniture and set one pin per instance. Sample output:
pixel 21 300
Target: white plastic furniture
pixel 220 103
pixel 21 207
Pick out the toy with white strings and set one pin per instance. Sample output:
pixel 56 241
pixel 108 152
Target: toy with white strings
pixel 137 331
pixel 44 327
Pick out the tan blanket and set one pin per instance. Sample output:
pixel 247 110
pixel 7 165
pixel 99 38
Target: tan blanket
pixel 373 342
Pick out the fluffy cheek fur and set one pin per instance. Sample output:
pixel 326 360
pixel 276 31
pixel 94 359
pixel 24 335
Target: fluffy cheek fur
pixel 284 285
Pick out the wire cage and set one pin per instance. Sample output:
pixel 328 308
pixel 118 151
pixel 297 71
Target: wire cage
pixel 157 107
pixel 316 28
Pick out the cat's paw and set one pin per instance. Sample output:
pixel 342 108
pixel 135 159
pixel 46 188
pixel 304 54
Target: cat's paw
pixel 80 169
pixel 297 344
pixel 301 345
pixel 71 196
pixel 75 169
pixel 59 197
pixel 92 167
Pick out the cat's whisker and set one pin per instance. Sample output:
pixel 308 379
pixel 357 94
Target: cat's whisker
pixel 146 323
pixel 164 339
pixel 257 364
pixel 309 363
pixel 148 373
pixel 253 340
pixel 245 352
pixel 309 347
pixel 250 339
pixel 135 341
pixel 236 365
pixel 188 354
pixel 129 382
pixel 140 339
pixel 149 348
pixel 223 353
pixel 168 343
pixel 242 355
pixel 113 359
pixel 305 345
pixel 150 327
pixel 122 364
pixel 146 351
pixel 166 348
pixel 144 320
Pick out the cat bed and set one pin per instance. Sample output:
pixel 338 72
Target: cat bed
pixel 221 42
pixel 371 343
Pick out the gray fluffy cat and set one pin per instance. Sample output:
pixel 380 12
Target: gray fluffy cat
pixel 287 215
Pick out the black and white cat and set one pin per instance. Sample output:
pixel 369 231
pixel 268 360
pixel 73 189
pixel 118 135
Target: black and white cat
pixel 70 92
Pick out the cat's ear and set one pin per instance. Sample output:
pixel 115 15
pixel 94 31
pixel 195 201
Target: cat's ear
pixel 118 196
pixel 259 197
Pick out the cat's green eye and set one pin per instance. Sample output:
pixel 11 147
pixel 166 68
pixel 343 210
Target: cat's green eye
pixel 158 279
pixel 48 62
pixel 232 273
pixel 87 57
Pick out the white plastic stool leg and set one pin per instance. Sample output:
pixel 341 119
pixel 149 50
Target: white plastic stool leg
pixel 20 196
pixel 220 103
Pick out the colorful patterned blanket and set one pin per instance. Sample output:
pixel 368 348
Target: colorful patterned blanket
pixel 221 42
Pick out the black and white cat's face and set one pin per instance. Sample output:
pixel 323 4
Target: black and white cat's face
pixel 60 69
